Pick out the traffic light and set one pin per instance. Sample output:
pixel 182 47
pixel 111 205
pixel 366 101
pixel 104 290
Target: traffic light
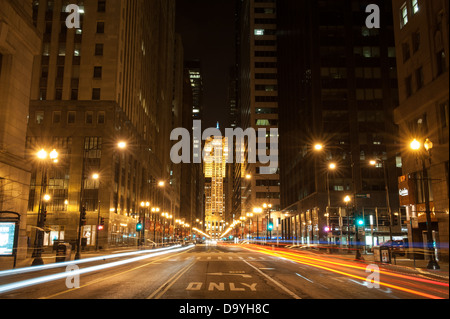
pixel 101 224
pixel 395 219
pixel 360 222
pixel 139 227
pixel 270 226
pixel 44 216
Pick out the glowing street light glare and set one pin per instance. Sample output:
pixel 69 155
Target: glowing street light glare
pixel 122 145
pixel 95 176
pixel 332 166
pixel 318 147
pixel 42 154
pixel 54 155
pixel 415 145
pixel 373 162
pixel 47 197
pixel 161 184
pixel 347 199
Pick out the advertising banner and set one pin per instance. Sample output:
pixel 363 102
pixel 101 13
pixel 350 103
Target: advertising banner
pixel 7 238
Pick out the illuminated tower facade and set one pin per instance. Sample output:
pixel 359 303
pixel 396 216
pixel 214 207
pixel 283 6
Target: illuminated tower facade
pixel 215 161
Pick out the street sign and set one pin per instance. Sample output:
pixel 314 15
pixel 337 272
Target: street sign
pixel 7 238
pixel 365 196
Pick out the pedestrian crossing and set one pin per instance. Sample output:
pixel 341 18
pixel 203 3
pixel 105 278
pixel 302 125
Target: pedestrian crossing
pixel 224 258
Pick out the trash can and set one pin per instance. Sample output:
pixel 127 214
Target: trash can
pixel 382 254
pixel 63 252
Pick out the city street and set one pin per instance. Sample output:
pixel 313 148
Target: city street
pixel 223 271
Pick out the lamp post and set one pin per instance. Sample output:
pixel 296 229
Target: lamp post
pixel 386 186
pixel 331 167
pixel 250 219
pixel 424 152
pixel 43 156
pixel 96 177
pixel 257 211
pixel 347 200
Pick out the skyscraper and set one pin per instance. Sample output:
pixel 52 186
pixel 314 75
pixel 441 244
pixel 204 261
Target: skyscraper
pixel 93 87
pixel 337 93
pixel 215 170
pixel 257 94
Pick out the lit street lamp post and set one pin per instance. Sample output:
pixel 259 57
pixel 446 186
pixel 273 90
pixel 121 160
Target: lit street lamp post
pixel 419 148
pixel 44 198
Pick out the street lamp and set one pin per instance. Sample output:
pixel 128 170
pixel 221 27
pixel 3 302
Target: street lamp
pixel 43 157
pixel 268 207
pixel 318 147
pixel 257 211
pixel 331 167
pixel 417 147
pixel 386 185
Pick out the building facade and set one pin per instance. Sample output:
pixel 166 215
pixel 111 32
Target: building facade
pixel 421 36
pixel 19 44
pixel 257 98
pixel 94 87
pixel 215 170
pixel 337 92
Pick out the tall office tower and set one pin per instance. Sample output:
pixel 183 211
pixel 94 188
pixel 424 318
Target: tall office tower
pixel 111 80
pixel 258 96
pixel 19 44
pixel 421 37
pixel 337 89
pixel 215 168
pixel 195 74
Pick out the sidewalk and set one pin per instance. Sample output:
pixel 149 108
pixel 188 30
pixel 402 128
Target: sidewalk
pixel 49 257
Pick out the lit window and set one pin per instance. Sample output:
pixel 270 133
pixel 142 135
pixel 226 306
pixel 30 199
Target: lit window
pixel 259 31
pixel 415 6
pixel 404 14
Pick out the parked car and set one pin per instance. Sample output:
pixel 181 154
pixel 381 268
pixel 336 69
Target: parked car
pixel 398 247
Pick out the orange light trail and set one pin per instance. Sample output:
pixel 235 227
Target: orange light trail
pixel 320 263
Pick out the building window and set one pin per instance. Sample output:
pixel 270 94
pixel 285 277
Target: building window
pixel 89 117
pixel 39 117
pixel 416 41
pixel 408 86
pixel 77 49
pixel 101 118
pixel 419 78
pixel 58 94
pixel 96 94
pixel 101 6
pixel 404 15
pixel 441 62
pixel 99 49
pixel 100 27
pixel 259 31
pixel 98 72
pixel 74 94
pixel 415 6
pixel 56 117
pixel 71 116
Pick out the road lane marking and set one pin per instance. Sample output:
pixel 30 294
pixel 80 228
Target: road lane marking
pixel 229 274
pixel 155 262
pixel 293 295
pixel 304 278
pixel 169 283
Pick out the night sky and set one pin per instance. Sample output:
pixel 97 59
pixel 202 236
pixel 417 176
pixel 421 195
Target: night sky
pixel 207 30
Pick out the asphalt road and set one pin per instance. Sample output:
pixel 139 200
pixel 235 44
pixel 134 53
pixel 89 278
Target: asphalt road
pixel 219 272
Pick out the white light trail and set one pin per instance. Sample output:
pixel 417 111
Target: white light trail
pixel 40 280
